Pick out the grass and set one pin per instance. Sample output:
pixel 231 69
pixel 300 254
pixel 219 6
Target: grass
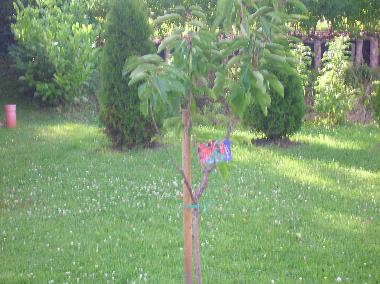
pixel 75 211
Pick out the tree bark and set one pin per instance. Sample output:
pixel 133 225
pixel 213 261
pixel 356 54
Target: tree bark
pixel 374 53
pixel 359 52
pixel 197 253
pixel 317 55
pixel 187 198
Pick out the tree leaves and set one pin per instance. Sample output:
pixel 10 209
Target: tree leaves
pixel 275 84
pixel 262 11
pixel 168 42
pixel 167 17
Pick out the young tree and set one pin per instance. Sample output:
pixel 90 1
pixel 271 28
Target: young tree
pixel 244 38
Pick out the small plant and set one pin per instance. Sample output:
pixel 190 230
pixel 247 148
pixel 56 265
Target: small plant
pixel 285 115
pixel 361 79
pixel 303 55
pixel 127 34
pixel 376 101
pixel 334 98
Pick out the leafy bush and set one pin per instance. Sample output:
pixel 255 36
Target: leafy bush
pixel 6 11
pixel 55 48
pixel 302 54
pixel 285 115
pixel 334 98
pixel 376 101
pixel 127 34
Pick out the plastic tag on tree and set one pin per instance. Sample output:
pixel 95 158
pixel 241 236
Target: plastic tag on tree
pixel 214 152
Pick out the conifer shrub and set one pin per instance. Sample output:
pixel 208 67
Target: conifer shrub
pixel 285 115
pixel 127 34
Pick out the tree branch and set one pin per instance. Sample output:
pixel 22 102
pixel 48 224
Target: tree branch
pixel 188 186
pixel 203 185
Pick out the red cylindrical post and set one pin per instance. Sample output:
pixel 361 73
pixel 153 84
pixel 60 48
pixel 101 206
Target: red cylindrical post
pixel 10 116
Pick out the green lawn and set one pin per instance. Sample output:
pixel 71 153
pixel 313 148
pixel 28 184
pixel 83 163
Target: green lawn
pixel 73 210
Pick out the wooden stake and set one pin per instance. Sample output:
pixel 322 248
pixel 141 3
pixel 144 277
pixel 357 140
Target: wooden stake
pixel 187 200
pixel 374 52
pixel 317 55
pixel 359 52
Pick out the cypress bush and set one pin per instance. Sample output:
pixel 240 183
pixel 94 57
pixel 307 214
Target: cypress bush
pixel 285 115
pixel 127 34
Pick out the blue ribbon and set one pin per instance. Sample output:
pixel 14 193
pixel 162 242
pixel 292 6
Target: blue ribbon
pixel 191 206
pixel 197 206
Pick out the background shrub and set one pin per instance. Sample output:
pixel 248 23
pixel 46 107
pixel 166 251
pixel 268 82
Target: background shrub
pixel 376 101
pixel 285 115
pixel 127 34
pixel 54 52
pixel 6 11
pixel 303 55
pixel 334 97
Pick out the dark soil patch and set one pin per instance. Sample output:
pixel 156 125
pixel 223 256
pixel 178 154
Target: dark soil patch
pixel 281 143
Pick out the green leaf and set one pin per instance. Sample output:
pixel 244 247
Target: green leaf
pixel 219 83
pixel 142 68
pixel 180 9
pixel 137 78
pixel 197 23
pixel 167 17
pixel 223 170
pixel 144 104
pixel 234 60
pixel 168 42
pixel 195 8
pixel 263 99
pixel 130 64
pixel 237 99
pixel 151 58
pixel 176 87
pixel 199 14
pixel 260 12
pixel 220 12
pixel 259 81
pixel 275 58
pixel 162 86
pixel 275 84
pixel 298 5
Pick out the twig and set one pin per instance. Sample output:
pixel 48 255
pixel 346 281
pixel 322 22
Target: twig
pixel 203 185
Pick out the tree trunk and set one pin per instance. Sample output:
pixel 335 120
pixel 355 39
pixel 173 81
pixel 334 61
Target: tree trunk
pixel 317 55
pixel 359 52
pixel 187 200
pixel 197 253
pixel 374 53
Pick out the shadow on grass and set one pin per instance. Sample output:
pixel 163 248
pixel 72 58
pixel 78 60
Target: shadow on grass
pixel 270 220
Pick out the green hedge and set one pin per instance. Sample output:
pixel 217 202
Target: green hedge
pixel 285 115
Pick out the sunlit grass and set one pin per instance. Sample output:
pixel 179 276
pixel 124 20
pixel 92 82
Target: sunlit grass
pixel 73 210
